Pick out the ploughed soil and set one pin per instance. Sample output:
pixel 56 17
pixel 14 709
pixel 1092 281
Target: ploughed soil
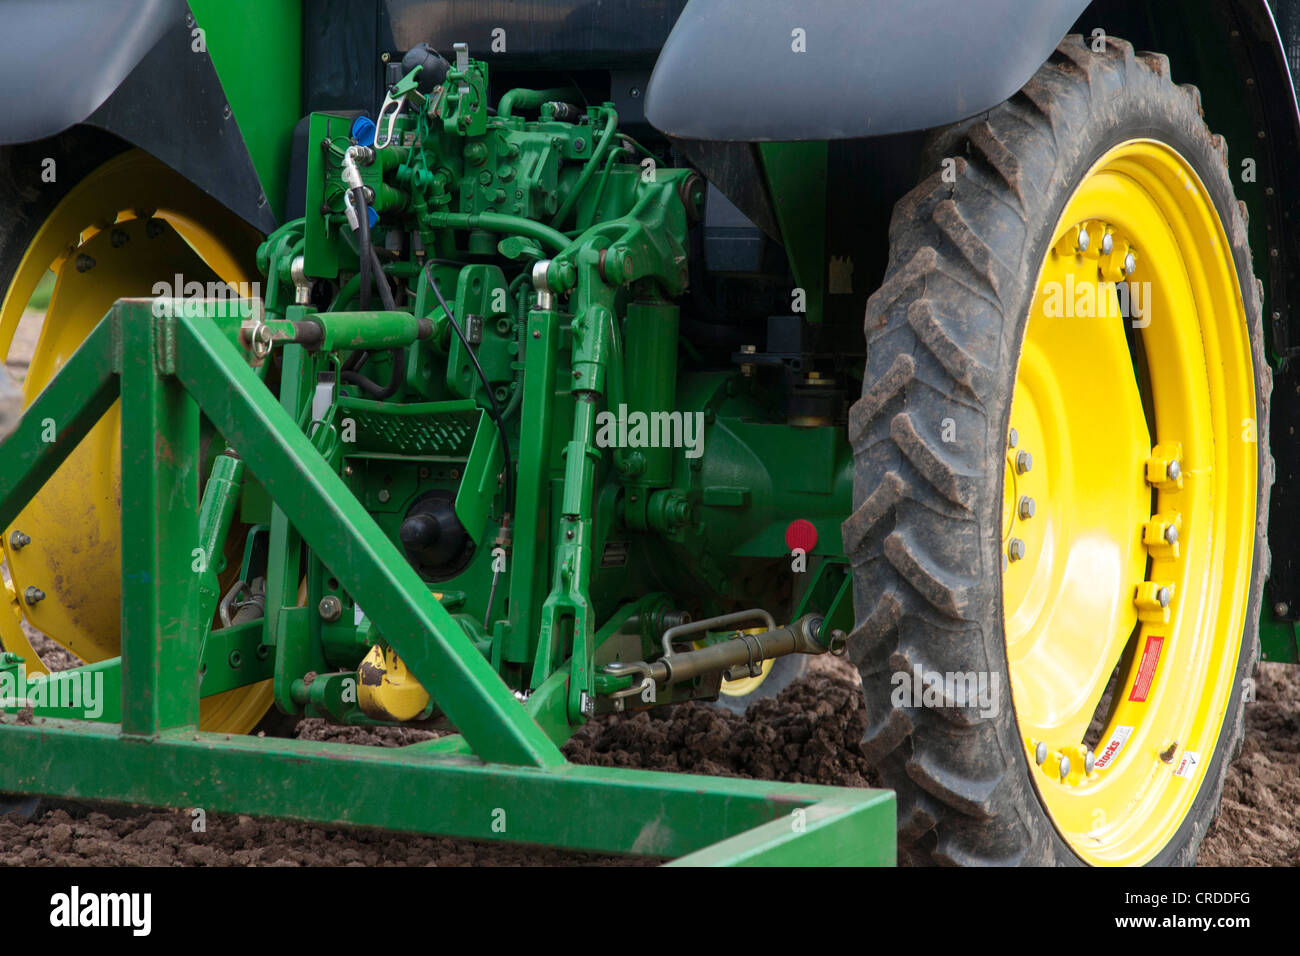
pixel 809 734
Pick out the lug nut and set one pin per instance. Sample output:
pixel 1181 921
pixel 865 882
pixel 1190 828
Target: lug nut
pixel 1015 549
pixel 1083 240
pixel 1174 471
pixel 1026 507
pixel 383 496
pixel 18 541
pixel 85 263
pixel 1089 762
pixel 1280 608
pixel 1065 767
pixel 1130 264
pixel 1171 535
pixel 1164 595
pixel 1024 461
pixel 1107 243
pixel 330 608
pixel 1013 439
pixel 33 596
pixel 1040 753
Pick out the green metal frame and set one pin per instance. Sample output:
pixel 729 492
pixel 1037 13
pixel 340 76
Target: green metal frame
pixel 502 777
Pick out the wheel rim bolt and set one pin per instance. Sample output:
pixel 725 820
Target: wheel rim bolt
pixel 1015 549
pixel 33 596
pixel 1040 753
pixel 1174 470
pixel 1083 240
pixel 1171 535
pixel 1130 264
pixel 1013 439
pixel 1065 767
pixel 1026 507
pixel 18 540
pixel 1107 243
pixel 1024 461
pixel 1089 762
pixel 1164 596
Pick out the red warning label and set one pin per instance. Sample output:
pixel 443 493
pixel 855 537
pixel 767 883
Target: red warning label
pixel 1146 668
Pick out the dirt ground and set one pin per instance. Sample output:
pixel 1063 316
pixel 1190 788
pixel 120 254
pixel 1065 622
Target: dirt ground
pixel 807 735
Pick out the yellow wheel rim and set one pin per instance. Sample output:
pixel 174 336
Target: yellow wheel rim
pixel 140 223
pixel 1123 429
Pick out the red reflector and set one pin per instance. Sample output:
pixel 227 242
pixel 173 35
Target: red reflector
pixel 801 534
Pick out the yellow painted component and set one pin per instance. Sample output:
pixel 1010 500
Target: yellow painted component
pixel 1151 608
pixel 1078 407
pixel 1165 458
pixel 386 690
pixel 1156 534
pixel 74 521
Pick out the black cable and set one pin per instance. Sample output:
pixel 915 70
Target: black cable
pixel 487 387
pixel 371 266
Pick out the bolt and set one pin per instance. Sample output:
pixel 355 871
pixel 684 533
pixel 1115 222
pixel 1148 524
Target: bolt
pixel 383 496
pixel 153 228
pixel 1280 608
pixel 33 596
pixel 1083 240
pixel 1065 767
pixel 1013 439
pixel 85 263
pixel 1015 549
pixel 1107 243
pixel 1026 507
pixel 18 541
pixel 235 659
pixel 537 334
pixel 1024 461
pixel 225 111
pixel 1130 264
pixel 1089 761
pixel 1164 596
pixel 1167 755
pixel 1174 470
pixel 330 608
pixel 347 471
pixel 1040 753
pixel 1171 534
pixel 579 145
pixel 118 238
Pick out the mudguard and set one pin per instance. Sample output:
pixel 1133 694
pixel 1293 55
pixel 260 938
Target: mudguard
pixel 128 67
pixel 770 70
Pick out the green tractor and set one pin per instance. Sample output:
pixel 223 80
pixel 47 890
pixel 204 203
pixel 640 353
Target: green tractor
pixel 406 364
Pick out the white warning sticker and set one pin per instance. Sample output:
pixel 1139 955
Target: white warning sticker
pixel 1118 737
pixel 1187 766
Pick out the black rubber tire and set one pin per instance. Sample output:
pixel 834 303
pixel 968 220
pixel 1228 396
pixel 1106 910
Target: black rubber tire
pixel 944 333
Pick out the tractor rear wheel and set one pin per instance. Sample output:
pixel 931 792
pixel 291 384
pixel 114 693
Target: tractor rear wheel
pixel 1062 477
pixel 104 223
